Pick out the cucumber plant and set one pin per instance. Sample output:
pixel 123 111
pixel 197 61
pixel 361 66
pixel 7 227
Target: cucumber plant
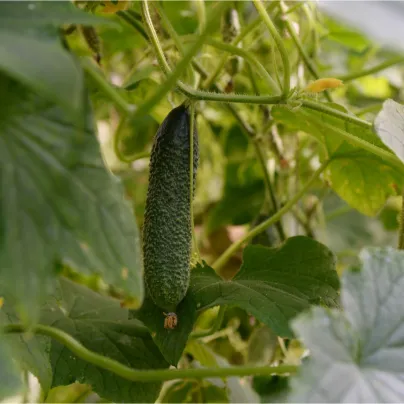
pixel 275 274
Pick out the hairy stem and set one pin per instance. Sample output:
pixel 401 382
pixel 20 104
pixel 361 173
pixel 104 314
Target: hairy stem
pixel 334 112
pixel 221 261
pixel 279 43
pixel 144 375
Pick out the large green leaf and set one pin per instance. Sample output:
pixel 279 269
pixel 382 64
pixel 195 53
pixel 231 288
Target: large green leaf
pixel 101 325
pixel 31 50
pixel 58 203
pixel 273 284
pixel 389 126
pixel 363 347
pixel 365 190
pixel 43 66
pixel 10 376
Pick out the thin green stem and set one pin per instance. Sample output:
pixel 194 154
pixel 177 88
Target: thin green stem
pixel 370 108
pixel 334 112
pixel 145 375
pixel 388 63
pixel 215 327
pixel 192 125
pixel 201 11
pixel 401 228
pixel 279 42
pixel 126 16
pixel 385 155
pixel 106 87
pixel 269 222
pixel 249 132
pixel 174 76
pixel 306 60
pixel 220 65
pixel 154 38
pixel 269 187
pixel 234 50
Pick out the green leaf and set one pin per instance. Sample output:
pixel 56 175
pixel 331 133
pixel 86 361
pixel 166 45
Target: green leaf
pixel 27 15
pixel 365 190
pixel 389 127
pixel 29 351
pixel 273 284
pixel 363 347
pixel 101 325
pixel 10 376
pixel 170 342
pixel 58 203
pixel 44 66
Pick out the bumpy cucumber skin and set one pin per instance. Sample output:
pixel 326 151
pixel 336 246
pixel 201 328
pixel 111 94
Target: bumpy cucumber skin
pixel 167 231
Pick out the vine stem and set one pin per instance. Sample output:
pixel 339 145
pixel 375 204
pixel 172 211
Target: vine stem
pixel 334 112
pixel 249 132
pixel 306 60
pixel 192 125
pixel 144 375
pixel 234 50
pixel 173 77
pixel 371 70
pixel 222 61
pixel 269 187
pixel 401 228
pixel 273 219
pixel 279 43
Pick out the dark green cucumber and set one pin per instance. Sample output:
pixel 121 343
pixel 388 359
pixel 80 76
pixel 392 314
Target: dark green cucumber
pixel 167 230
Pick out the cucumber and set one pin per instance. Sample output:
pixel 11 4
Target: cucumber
pixel 167 230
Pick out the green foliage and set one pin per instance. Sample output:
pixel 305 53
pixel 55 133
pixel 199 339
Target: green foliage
pixel 365 190
pixel 273 284
pixel 62 196
pixel 362 347
pixel 288 181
